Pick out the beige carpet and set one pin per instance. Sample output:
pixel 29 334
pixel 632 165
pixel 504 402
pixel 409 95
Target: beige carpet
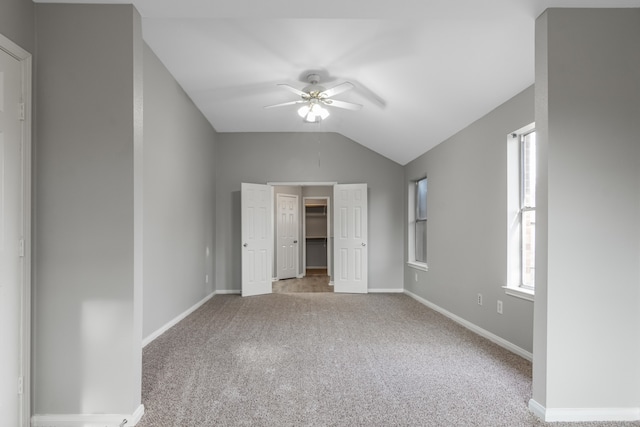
pixel 325 359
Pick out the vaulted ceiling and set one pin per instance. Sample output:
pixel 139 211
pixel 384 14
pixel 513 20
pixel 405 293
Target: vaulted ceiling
pixel 422 69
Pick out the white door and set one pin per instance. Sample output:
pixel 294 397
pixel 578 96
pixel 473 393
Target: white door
pixel 287 236
pixel 257 241
pixel 11 226
pixel 350 238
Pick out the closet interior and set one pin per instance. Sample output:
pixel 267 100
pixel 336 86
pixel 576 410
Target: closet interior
pixel 316 236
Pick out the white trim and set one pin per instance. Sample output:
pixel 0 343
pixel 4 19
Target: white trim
pixel 175 320
pixel 303 184
pixel 584 414
pixel 25 59
pixel 418 265
pixel 474 328
pixel 386 291
pixel 521 293
pixel 228 292
pixel 87 420
pixel 537 409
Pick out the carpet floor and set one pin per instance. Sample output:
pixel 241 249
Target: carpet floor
pixel 309 283
pixel 324 359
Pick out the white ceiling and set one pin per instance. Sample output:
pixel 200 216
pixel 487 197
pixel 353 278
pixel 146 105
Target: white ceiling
pixel 422 69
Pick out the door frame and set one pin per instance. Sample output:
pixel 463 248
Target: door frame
pixel 25 60
pixel 304 233
pixel 303 184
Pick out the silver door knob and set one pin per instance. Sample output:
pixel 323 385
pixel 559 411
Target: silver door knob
pixel 295 241
pixel 364 244
pixel 245 245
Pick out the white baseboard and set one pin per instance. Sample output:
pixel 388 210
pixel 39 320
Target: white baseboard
pixel 474 328
pixel 385 291
pixel 175 320
pixel 584 414
pixel 537 409
pixel 229 292
pixel 87 420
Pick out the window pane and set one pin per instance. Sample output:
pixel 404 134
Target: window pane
pixel 421 199
pixel 528 248
pixel 421 241
pixel 529 170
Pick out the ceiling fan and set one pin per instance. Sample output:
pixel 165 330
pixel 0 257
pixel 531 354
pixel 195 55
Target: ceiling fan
pixel 315 98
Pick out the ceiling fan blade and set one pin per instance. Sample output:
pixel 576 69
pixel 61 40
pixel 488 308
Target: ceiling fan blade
pixel 294 90
pixel 342 104
pixel 343 87
pixel 286 103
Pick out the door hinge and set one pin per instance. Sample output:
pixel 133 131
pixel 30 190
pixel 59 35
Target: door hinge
pixel 21 248
pixel 22 111
pixel 20 385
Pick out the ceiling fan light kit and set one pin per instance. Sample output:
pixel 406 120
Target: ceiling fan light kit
pixel 313 112
pixel 315 98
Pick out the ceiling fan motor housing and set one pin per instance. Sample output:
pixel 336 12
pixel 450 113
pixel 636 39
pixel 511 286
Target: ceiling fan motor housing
pixel 314 88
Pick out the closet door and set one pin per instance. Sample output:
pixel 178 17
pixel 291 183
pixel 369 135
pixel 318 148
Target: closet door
pixel 287 236
pixel 350 238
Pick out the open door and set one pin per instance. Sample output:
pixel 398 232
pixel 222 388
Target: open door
pixel 350 238
pixel 257 240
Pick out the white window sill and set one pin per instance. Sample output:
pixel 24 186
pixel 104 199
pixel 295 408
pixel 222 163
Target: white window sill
pixel 418 265
pixel 519 292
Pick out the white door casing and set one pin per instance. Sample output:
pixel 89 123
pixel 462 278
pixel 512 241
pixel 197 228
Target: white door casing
pixel 350 238
pixel 257 240
pixel 14 233
pixel 287 236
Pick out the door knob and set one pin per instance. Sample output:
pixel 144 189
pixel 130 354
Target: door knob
pixel 364 244
pixel 295 241
pixel 245 245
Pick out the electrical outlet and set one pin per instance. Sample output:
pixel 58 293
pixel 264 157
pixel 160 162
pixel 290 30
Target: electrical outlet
pixel 499 307
pixel 416 277
pixel 479 299
pixel 206 278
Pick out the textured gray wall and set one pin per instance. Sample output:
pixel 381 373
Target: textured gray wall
pixel 179 198
pixel 467 223
pixel 17 22
pixel 587 321
pixel 308 157
pixel 86 331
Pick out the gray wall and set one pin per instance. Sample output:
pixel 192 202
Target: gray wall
pixel 308 157
pixel 179 198
pixel 87 310
pixel 17 22
pixel 467 223
pixel 587 314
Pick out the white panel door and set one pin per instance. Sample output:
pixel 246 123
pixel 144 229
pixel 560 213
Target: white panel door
pixel 257 241
pixel 11 227
pixel 287 236
pixel 350 238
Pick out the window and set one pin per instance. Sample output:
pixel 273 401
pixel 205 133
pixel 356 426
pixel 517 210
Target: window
pixel 418 224
pixel 528 209
pixel 521 205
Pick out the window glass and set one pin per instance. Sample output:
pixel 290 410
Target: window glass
pixel 421 221
pixel 527 210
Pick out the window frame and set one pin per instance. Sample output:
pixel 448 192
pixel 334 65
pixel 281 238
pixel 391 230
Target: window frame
pixel 412 222
pixel 525 208
pixel 515 210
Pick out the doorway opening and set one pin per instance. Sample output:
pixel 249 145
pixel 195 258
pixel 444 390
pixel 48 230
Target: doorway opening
pixel 304 236
pixel 347 250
